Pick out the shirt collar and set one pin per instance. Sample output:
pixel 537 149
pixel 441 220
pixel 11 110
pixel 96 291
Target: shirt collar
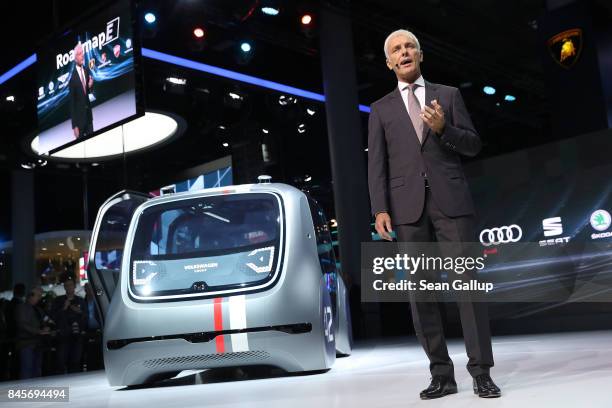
pixel 402 85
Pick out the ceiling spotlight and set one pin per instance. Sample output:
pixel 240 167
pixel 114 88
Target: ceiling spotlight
pixel 245 53
pixel 28 166
pixel 510 98
pixel 225 144
pixel 286 100
pixel 311 112
pixel 306 19
pixel 245 47
pixel 271 11
pixel 10 98
pixel 95 164
pixel 301 128
pixel 489 90
pixel 221 127
pixel 235 96
pixel 270 7
pixel 307 178
pixel 198 32
pixel 177 81
pixel 365 150
pixel 266 131
pixel 150 18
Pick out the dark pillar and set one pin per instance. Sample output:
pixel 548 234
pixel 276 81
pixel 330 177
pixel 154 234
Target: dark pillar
pixel 22 201
pixel 85 200
pixel 346 153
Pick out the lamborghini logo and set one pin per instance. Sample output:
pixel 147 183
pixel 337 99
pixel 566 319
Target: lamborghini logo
pixel 565 47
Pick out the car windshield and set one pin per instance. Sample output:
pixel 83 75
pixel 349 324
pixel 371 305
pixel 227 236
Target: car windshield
pixel 206 244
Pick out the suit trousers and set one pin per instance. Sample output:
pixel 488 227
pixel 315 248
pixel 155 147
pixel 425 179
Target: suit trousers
pixel 433 225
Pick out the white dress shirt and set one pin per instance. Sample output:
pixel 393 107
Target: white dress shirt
pixel 82 77
pixel 419 92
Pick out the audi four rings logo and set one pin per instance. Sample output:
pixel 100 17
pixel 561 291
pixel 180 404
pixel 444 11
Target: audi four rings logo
pixel 501 235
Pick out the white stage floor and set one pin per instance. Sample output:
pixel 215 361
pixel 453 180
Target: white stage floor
pixel 553 370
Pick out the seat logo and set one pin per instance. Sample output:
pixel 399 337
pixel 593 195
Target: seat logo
pixel 552 226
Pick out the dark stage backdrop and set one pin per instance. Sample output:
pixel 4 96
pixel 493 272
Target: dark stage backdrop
pixel 560 196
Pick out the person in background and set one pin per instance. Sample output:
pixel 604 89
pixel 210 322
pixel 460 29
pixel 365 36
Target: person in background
pixel 19 292
pixel 4 355
pixel 93 347
pixel 30 329
pixel 18 298
pixel 70 314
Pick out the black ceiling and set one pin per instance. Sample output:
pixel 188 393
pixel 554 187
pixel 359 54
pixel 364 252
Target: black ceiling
pixel 467 44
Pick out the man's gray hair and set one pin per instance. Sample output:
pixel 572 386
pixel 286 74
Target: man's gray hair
pixel 79 45
pixel 401 32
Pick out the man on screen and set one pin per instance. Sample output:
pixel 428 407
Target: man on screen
pixel 81 84
pixel 417 188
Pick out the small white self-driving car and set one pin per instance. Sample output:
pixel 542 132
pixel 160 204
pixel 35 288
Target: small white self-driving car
pixel 232 276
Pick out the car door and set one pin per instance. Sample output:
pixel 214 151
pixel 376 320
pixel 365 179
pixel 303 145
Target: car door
pixel 107 245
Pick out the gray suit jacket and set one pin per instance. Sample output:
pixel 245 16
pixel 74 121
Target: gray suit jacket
pixel 397 162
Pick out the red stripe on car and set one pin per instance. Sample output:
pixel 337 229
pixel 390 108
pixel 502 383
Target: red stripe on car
pixel 219 324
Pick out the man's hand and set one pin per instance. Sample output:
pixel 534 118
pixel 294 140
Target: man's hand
pixel 434 117
pixel 383 225
pixel 76 132
pixel 90 83
pixel 76 308
pixel 66 304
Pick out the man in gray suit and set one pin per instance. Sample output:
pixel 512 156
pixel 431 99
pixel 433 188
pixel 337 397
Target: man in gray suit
pixel 417 187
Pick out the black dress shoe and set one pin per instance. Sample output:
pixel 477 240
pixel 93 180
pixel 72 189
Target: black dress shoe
pixel 439 387
pixel 484 387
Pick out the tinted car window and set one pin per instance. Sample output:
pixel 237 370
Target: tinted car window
pixel 206 244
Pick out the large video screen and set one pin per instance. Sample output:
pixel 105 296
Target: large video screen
pixel 87 80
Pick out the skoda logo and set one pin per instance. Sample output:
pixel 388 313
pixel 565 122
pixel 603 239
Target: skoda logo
pixel 601 220
pixel 501 235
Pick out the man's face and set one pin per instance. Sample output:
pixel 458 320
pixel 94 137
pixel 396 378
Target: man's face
pixel 78 56
pixel 404 58
pixel 36 296
pixel 69 287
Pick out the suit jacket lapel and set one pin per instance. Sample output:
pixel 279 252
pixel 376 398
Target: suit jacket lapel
pixel 399 110
pixel 431 93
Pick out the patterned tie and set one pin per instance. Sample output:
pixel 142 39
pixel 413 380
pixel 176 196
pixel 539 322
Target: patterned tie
pixel 82 76
pixel 414 110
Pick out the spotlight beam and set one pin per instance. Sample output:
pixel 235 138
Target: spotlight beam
pixel 17 68
pixel 237 76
